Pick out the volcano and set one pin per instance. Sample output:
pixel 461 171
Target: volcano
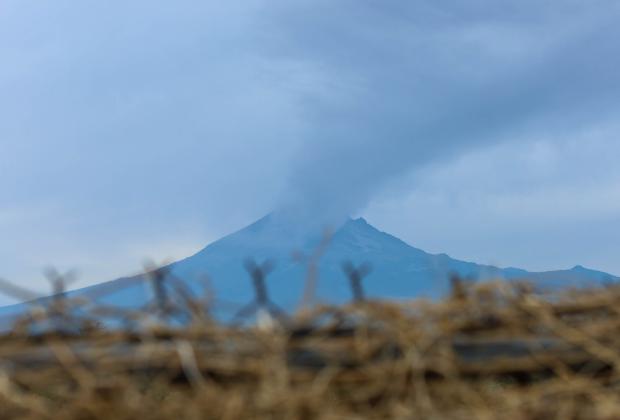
pixel 399 270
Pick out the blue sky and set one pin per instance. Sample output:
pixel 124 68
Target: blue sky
pixel 487 130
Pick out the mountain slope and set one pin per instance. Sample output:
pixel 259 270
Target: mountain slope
pixel 399 270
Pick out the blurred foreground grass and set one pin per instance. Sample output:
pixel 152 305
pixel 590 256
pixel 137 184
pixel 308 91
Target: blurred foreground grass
pixel 492 350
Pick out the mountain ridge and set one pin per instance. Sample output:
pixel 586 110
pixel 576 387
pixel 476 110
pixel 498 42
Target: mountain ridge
pixel 400 270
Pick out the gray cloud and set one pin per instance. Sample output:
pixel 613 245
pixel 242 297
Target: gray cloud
pixel 412 84
pixel 538 202
pixel 160 126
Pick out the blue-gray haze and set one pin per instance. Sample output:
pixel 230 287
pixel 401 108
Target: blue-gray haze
pixel 485 129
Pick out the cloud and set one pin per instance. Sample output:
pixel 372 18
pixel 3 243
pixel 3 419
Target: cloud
pixel 175 122
pixel 120 122
pixel 538 203
pixel 414 84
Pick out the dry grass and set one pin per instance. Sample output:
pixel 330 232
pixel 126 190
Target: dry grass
pixel 490 351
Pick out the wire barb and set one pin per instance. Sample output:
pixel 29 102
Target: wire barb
pixel 261 305
pixel 356 275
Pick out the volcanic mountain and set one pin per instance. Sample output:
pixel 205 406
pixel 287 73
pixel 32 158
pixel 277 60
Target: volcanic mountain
pixel 399 270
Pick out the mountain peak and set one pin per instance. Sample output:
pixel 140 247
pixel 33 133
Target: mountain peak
pixel 360 221
pixel 358 224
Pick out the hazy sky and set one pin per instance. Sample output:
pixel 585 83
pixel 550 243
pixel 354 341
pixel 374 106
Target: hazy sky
pixel 484 129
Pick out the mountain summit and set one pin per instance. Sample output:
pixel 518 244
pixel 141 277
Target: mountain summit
pixel 399 270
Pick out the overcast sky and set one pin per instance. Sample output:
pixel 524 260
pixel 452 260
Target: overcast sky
pixel 488 130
